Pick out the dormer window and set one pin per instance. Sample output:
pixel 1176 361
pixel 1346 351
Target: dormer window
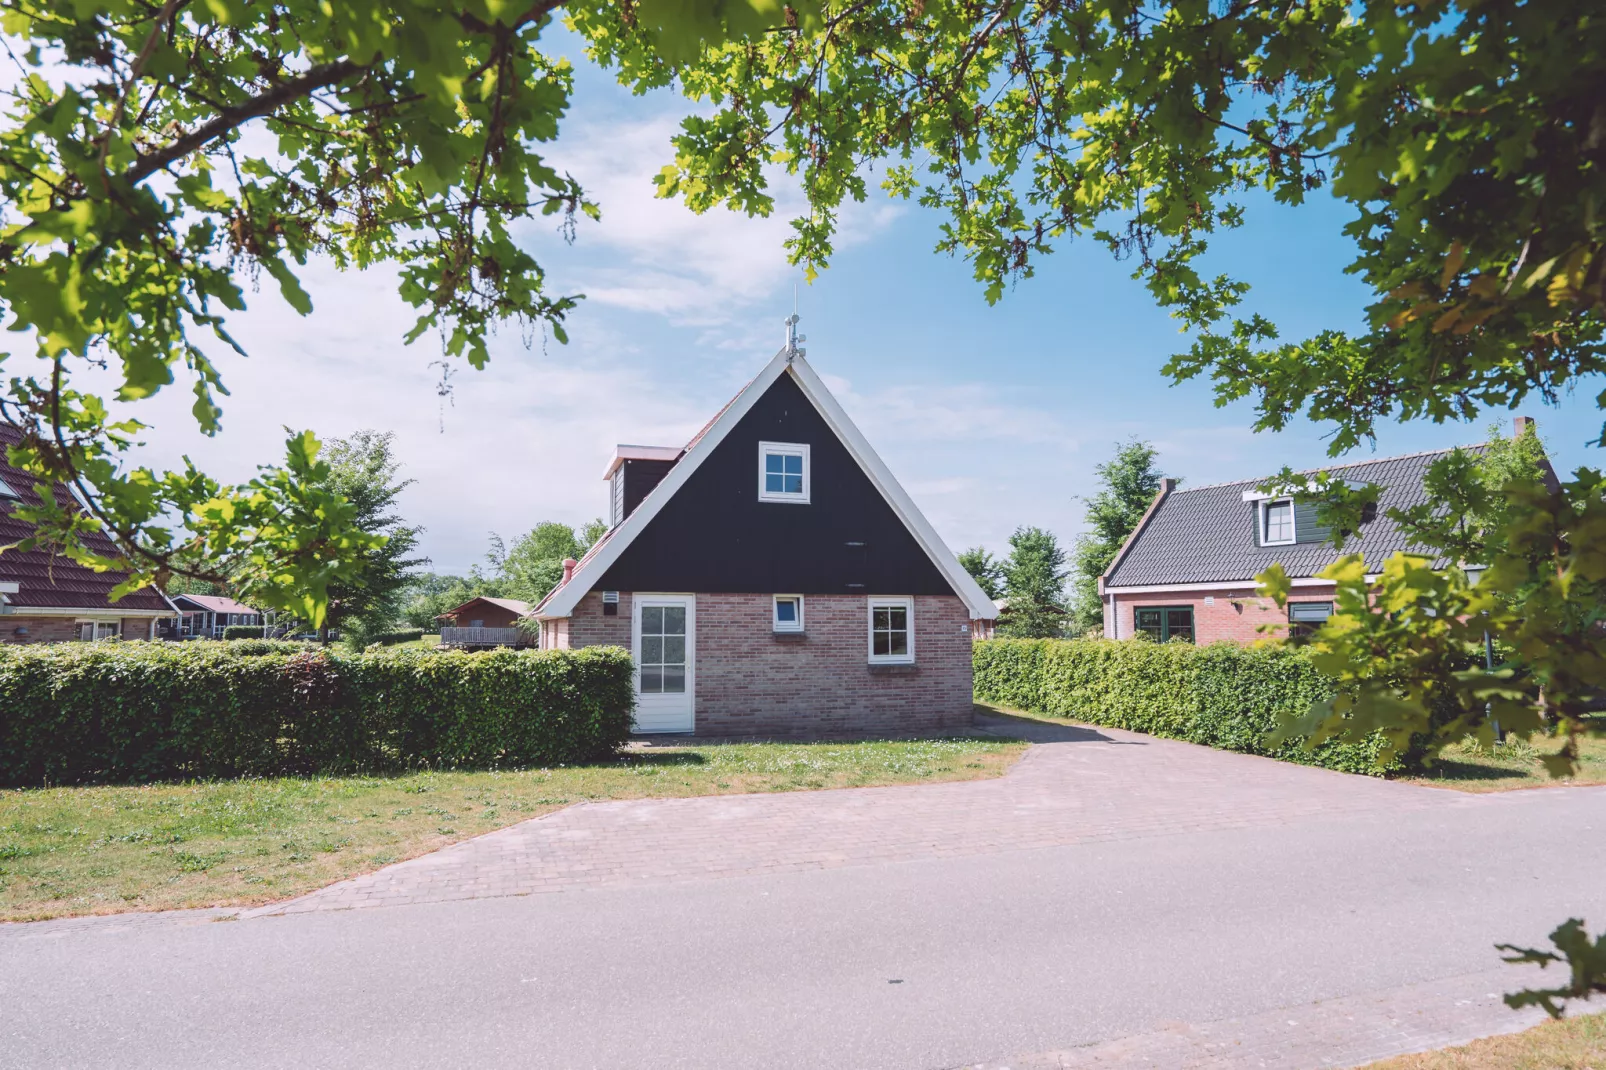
pixel 783 472
pixel 7 492
pixel 1277 522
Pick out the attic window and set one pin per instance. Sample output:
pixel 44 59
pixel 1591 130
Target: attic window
pixel 1277 522
pixel 788 615
pixel 783 472
pixel 7 492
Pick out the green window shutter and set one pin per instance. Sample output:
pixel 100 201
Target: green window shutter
pixel 1306 527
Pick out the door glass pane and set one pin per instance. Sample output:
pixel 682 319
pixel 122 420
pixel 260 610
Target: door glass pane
pixel 652 679
pixel 674 679
pixel 674 650
pixel 652 620
pixel 674 620
pixel 652 649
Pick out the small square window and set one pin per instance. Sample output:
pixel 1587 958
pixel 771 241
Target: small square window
pixel 788 615
pixel 892 632
pixel 783 472
pixel 1277 522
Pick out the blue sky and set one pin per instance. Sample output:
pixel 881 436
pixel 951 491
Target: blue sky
pixel 992 417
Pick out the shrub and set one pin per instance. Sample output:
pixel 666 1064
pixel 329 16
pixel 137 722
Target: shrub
pixel 406 635
pixel 244 631
pixel 1221 695
pixel 87 712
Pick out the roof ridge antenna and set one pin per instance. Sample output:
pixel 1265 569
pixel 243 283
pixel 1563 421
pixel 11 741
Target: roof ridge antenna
pixel 792 337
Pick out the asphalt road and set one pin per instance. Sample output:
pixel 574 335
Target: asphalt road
pixel 930 963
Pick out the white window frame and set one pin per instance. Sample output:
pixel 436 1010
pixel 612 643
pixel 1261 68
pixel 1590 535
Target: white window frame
pixel 876 602
pixel 787 449
pixel 97 623
pixel 776 623
pixel 8 492
pixel 1260 522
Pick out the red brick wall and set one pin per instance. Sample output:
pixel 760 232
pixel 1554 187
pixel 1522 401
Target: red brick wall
pixel 751 682
pixel 40 629
pixel 1235 617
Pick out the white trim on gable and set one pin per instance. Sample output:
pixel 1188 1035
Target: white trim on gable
pixel 565 598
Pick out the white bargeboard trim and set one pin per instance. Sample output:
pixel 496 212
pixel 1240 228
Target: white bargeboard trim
pixel 563 601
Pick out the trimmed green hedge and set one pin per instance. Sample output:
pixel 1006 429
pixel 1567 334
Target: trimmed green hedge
pixel 97 712
pixel 406 635
pixel 245 631
pixel 1222 695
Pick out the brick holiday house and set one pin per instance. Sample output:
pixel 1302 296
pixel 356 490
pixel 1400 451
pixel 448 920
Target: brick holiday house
pixel 48 598
pixel 772 577
pixel 1188 570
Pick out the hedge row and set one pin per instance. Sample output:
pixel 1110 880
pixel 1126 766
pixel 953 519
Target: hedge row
pixel 245 631
pixel 1221 695
pixel 406 635
pixel 97 712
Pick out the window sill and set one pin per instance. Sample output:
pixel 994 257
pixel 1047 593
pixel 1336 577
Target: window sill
pixel 893 668
pixel 789 637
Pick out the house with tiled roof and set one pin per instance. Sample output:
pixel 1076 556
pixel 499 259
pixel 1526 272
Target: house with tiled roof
pixel 772 577
pixel 205 616
pixel 47 598
pixel 1188 569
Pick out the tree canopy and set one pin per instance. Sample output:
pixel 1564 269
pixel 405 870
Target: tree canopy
pixel 1034 584
pixel 1128 483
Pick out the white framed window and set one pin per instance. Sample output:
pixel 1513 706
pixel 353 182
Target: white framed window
pixel 787 615
pixel 783 472
pixel 6 491
pixel 94 630
pixel 1276 522
pixel 892 630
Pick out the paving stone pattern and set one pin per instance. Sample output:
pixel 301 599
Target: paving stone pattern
pixel 1346 1032
pixel 1078 786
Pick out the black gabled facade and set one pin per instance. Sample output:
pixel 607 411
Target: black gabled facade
pixel 714 535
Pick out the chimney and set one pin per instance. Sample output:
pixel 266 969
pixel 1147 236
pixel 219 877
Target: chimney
pixel 1521 426
pixel 568 568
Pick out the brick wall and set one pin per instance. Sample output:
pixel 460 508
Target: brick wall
pixel 1235 616
pixel 749 681
pixel 40 629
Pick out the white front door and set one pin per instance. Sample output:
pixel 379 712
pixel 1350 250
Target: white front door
pixel 664 632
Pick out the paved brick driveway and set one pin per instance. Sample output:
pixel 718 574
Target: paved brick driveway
pixel 1076 785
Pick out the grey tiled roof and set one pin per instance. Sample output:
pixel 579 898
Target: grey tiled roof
pixel 1207 534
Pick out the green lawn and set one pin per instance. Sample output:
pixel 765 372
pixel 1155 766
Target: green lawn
pixel 1571 1044
pixel 1512 764
pixel 97 850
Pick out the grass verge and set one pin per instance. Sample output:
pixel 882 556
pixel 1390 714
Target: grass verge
pixel 100 850
pixel 1571 1044
pixel 1512 764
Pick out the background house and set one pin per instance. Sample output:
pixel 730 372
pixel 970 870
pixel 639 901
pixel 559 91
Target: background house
pixel 1188 570
pixel 485 621
pixel 206 615
pixel 772 577
pixel 48 598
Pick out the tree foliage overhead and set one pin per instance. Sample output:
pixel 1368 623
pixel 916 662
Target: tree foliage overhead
pixel 985 569
pixel 158 157
pixel 1128 483
pixel 1469 138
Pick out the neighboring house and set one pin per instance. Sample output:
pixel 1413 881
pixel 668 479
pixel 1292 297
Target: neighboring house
pixel 772 577
pixel 485 621
pixel 1188 570
pixel 48 598
pixel 206 615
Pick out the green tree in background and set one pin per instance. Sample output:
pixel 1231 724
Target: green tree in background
pixel 985 569
pixel 533 565
pixel 1034 584
pixel 363 470
pixel 1128 483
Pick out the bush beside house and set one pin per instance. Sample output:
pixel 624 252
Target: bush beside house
pixel 79 713
pixel 245 631
pixel 1221 695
